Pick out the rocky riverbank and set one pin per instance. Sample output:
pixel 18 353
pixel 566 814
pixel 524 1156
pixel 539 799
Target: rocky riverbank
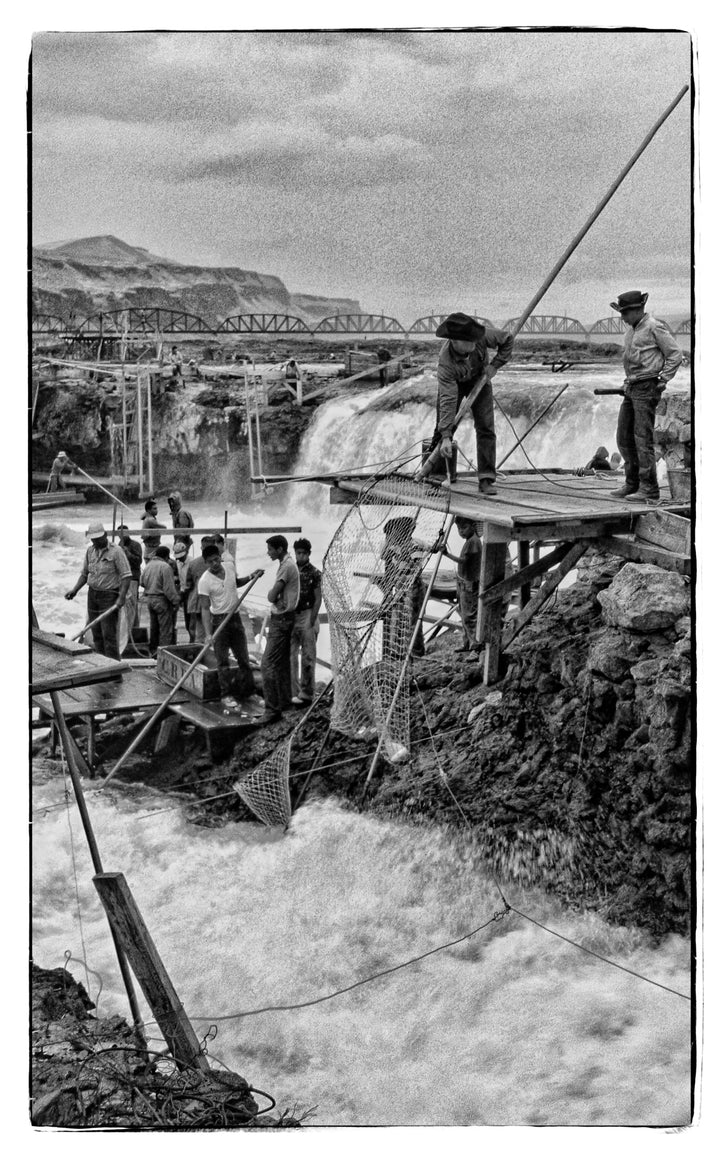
pixel 92 1073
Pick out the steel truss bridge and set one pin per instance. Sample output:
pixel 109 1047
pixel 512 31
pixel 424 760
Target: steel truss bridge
pixel 150 323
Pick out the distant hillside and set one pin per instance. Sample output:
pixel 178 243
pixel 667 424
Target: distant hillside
pixel 95 274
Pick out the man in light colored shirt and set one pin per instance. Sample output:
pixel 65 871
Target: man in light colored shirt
pixel 217 595
pixel 303 640
pixel 107 573
pixel 283 598
pixel 650 359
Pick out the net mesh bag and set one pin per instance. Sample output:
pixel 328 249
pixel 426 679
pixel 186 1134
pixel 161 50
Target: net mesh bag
pixel 266 789
pixel 373 591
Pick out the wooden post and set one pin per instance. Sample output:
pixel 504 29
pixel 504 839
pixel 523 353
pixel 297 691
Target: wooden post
pixel 76 764
pixel 151 479
pixel 523 561
pixel 490 615
pixel 139 432
pixel 124 437
pixel 131 930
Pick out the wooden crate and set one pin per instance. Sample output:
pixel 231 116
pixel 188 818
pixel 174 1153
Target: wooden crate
pixel 203 682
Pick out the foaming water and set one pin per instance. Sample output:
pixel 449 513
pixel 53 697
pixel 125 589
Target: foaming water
pixel 509 1027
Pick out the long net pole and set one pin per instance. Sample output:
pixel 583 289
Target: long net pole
pixel 467 402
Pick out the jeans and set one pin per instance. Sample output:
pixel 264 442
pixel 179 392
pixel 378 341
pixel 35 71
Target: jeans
pixel 277 685
pixel 484 419
pixel 232 638
pixel 161 614
pixel 303 644
pixel 636 423
pixel 105 634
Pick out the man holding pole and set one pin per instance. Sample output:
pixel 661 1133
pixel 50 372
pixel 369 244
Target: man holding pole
pixel 464 361
pixel 107 573
pixel 651 357
pixel 217 594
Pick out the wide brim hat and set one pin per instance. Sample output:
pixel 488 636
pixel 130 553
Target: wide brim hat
pixel 460 327
pixel 633 299
pixel 62 454
pixel 95 530
pixel 179 548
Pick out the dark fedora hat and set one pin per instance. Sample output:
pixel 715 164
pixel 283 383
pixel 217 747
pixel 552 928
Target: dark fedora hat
pixel 460 327
pixel 633 299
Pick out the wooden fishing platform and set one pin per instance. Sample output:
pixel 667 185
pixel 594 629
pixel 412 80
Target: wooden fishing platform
pixel 548 508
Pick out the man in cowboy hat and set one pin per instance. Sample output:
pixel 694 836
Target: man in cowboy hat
pixel 651 358
pixel 464 358
pixel 107 573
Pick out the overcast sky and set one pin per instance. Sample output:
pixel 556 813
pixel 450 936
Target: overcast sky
pixel 413 171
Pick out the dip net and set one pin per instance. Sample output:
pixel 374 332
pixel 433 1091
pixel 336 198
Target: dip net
pixel 373 591
pixel 266 789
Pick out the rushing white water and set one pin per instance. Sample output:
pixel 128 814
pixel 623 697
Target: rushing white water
pixel 510 1027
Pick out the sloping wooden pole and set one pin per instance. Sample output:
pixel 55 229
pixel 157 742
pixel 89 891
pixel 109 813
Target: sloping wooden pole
pixel 467 402
pixel 183 678
pixel 127 922
pixel 94 623
pixel 73 756
pixel 401 677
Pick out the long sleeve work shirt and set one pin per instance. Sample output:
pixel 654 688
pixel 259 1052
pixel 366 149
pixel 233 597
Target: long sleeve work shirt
pixel 158 579
pixel 650 352
pixel 455 372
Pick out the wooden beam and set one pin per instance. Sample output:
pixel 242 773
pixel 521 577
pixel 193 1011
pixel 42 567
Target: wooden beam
pixel 139 947
pixel 184 531
pixel 544 563
pixel 662 528
pixel 543 593
pixel 640 552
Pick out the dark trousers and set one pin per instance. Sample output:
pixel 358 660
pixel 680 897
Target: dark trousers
pixel 105 634
pixel 277 690
pixel 161 614
pixel 484 419
pixel 636 423
pixel 232 638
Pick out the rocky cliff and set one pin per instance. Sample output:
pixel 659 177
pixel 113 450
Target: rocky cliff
pixel 94 274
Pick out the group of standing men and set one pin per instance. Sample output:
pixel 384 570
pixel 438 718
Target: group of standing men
pixel 206 588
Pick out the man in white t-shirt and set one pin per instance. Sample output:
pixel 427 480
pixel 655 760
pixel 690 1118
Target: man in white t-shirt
pixel 217 594
pixel 283 598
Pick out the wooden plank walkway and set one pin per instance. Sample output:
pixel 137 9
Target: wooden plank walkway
pixel 58 663
pixel 528 506
pixel 137 690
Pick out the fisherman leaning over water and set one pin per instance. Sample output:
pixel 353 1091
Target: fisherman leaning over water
pixel 217 593
pixel 60 464
pixel 107 573
pixel 651 358
pixel 464 358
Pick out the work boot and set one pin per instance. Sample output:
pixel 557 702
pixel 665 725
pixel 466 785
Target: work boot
pixel 623 492
pixel 643 496
pixel 487 486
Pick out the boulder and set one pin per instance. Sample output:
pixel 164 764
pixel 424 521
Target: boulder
pixel 643 597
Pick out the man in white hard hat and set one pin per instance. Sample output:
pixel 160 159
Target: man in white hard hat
pixel 107 573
